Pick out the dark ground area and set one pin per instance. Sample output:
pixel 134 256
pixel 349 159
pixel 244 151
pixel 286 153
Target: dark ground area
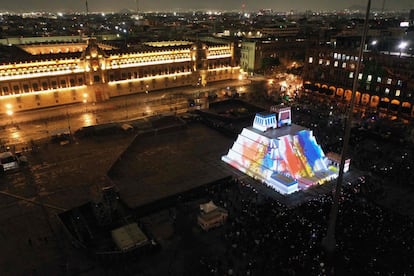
pixel 155 167
pixel 263 236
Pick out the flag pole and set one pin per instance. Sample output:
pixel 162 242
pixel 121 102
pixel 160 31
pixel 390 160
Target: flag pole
pixel 329 241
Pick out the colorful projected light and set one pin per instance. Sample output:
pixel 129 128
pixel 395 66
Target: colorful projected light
pixel 284 156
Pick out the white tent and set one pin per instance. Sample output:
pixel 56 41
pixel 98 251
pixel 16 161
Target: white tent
pixel 129 236
pixel 208 207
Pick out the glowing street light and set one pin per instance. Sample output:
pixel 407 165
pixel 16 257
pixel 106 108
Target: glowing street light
pixel 9 112
pixel 374 44
pixel 85 101
pixel 402 46
pixel 9 109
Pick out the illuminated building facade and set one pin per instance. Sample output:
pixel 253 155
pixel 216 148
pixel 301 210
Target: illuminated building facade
pixel 58 74
pixel 287 51
pixel 385 84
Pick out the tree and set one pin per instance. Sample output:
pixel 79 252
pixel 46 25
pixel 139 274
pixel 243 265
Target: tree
pixel 269 63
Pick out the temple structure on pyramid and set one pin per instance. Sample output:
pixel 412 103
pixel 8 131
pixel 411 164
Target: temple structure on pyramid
pixel 284 156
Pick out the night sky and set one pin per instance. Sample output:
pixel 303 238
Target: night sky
pixel 185 5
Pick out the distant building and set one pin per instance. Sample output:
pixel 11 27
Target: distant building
pixel 385 82
pixel 281 30
pixel 57 74
pixel 287 51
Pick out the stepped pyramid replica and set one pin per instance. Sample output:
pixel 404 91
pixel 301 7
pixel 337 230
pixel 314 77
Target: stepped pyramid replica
pixel 284 156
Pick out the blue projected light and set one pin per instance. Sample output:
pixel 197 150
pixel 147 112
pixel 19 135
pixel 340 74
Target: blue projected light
pixel 311 149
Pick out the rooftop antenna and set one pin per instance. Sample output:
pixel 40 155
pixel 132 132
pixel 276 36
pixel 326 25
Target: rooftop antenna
pixel 329 241
pixel 137 6
pixel 87 18
pixel 383 6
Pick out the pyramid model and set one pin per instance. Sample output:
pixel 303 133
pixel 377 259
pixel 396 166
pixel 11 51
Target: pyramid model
pixel 284 156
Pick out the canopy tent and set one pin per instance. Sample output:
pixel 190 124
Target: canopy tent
pixel 208 207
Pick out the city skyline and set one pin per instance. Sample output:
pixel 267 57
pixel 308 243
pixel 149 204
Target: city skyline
pixel 186 5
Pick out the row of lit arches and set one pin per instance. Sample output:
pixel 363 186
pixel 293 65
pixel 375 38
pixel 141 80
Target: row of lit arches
pixel 151 58
pixel 363 99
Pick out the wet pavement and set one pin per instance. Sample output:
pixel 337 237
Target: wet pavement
pixel 21 127
pixel 62 177
pixel 160 166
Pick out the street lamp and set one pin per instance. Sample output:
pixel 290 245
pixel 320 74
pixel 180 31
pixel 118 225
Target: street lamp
pixel 85 101
pixel 402 46
pixel 68 120
pixel 9 112
pixel 374 44
pixel 126 106
pixel 329 241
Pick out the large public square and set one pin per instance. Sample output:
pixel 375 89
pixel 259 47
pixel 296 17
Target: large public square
pixel 266 233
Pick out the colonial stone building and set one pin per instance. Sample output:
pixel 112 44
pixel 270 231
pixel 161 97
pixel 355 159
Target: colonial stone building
pixel 287 51
pixel 385 82
pixel 58 74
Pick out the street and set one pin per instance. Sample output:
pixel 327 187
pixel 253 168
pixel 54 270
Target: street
pixel 19 129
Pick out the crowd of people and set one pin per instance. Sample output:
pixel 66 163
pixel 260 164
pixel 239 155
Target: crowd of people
pixel 263 237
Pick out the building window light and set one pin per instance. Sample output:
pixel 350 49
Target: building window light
pixel 360 76
pixel 379 79
pixel 387 91
pixel 336 63
pixel 344 65
pixel 310 59
pixel 351 75
pixel 389 81
pixel 397 93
